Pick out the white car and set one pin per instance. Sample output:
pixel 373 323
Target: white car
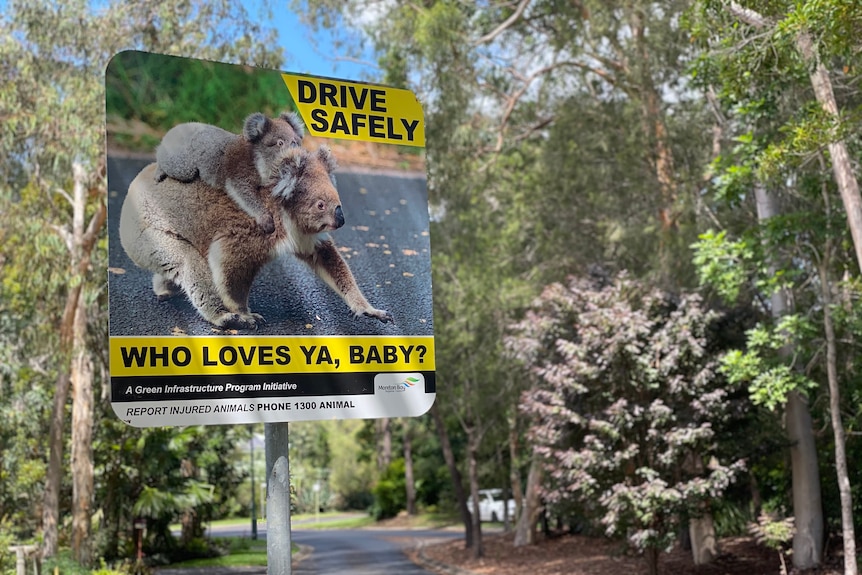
pixel 491 505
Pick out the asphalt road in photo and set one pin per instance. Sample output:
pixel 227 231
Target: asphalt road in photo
pixel 385 242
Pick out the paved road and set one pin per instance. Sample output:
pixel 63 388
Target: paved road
pixel 362 551
pixel 343 552
pixel 385 241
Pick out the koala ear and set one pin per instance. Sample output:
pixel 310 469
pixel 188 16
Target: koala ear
pixel 295 122
pixel 324 154
pixel 256 125
pixel 290 170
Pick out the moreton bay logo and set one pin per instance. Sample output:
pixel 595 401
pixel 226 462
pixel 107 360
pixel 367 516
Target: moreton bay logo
pixel 398 382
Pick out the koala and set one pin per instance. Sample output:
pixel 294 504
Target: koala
pixel 195 239
pixel 237 164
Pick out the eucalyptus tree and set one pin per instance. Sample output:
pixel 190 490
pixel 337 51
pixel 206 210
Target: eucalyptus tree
pixel 53 55
pixel 783 76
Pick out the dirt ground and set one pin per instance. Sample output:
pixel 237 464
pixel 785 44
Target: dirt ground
pixel 578 555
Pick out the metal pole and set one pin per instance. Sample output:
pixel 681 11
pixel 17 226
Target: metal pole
pixel 253 491
pixel 277 499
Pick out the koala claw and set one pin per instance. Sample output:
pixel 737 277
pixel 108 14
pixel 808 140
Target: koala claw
pixel 381 314
pixel 239 320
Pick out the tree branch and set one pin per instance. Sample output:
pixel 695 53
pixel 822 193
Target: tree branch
pixel 747 15
pixel 508 22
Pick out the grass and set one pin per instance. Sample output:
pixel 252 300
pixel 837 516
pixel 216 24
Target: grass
pixel 347 523
pixel 239 559
pixel 242 552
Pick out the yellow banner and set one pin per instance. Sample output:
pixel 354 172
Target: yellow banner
pixel 153 356
pixel 355 111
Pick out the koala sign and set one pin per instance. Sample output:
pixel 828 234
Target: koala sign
pixel 263 266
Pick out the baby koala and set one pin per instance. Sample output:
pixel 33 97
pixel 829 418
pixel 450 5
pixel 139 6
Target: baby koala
pixel 237 164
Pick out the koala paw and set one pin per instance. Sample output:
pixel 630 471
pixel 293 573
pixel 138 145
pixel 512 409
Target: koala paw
pixel 266 223
pixel 239 320
pixel 381 314
pixel 164 288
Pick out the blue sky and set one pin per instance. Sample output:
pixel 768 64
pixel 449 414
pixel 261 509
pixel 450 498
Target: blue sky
pixel 312 52
pixel 305 51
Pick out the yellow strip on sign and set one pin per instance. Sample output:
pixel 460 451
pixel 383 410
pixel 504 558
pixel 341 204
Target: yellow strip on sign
pixel 355 111
pixel 202 355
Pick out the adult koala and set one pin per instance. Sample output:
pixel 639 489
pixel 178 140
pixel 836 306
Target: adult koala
pixel 195 238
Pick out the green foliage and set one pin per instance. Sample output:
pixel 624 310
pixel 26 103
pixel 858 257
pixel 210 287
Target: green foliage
pixel 147 94
pixel 124 568
pixel 351 475
pixel 773 532
pixel 721 263
pixel 730 517
pixel 65 564
pixel 390 494
pixel 766 373
pixel 7 538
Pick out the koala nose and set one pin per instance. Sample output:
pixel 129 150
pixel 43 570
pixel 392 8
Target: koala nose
pixel 339 217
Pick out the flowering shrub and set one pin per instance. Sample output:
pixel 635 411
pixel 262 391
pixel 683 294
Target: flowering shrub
pixel 626 403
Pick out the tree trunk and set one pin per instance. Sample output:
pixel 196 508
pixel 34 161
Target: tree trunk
pixel 651 557
pixel 473 474
pixel 660 154
pixel 408 470
pixel 82 440
pixel 525 532
pixel 54 474
pixel 384 455
pixel 848 531
pixel 841 166
pixel 189 521
pixel 73 327
pixel 457 481
pixel 703 542
pixel 807 508
pixel 514 472
pixel 82 383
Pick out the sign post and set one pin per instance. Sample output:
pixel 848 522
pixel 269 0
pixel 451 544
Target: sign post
pixel 278 542
pixel 250 279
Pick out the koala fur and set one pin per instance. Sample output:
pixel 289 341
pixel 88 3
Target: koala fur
pixel 194 238
pixel 230 162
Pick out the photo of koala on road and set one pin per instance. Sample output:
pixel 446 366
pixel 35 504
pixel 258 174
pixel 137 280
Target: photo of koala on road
pixel 197 241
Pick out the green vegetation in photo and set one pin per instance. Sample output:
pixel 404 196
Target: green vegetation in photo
pixel 147 94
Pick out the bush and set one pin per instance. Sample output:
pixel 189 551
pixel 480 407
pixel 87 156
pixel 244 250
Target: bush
pixel 64 564
pixel 390 493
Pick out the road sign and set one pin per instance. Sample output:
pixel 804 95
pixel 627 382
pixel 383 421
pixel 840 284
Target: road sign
pixel 250 280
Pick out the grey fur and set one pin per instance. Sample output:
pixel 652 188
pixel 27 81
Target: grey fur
pixel 193 238
pixel 236 164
